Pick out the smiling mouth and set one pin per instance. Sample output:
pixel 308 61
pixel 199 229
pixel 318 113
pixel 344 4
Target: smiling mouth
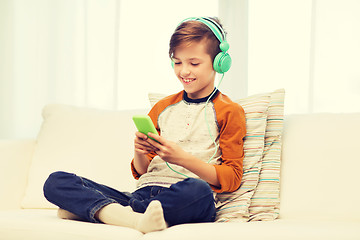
pixel 188 80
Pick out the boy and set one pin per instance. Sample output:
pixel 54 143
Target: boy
pixel 195 155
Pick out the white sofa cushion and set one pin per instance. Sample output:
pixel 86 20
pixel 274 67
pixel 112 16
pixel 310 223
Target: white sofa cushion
pixel 42 224
pixel 260 230
pixel 320 177
pixel 15 159
pixel 96 144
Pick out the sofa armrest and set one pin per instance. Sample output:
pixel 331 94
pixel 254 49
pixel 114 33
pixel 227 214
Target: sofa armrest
pixel 15 159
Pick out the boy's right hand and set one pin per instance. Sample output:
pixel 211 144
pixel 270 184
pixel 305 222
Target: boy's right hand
pixel 142 145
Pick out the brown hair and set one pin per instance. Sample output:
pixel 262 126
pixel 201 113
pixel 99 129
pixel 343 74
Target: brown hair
pixel 192 31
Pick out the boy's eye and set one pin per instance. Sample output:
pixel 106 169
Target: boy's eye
pixel 177 63
pixel 194 64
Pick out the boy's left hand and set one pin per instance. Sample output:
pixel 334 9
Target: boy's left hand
pixel 168 150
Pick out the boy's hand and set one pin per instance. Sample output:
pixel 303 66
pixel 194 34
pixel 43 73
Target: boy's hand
pixel 142 145
pixel 172 153
pixel 167 150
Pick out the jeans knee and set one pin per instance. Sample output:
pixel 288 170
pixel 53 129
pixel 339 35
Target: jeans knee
pixel 204 192
pixel 53 182
pixel 193 201
pixel 195 188
pixel 199 186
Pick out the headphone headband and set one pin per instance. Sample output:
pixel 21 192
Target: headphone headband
pixel 212 25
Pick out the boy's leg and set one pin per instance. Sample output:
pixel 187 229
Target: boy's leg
pixel 80 196
pixel 188 201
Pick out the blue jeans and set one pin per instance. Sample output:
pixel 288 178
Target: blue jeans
pixel 188 201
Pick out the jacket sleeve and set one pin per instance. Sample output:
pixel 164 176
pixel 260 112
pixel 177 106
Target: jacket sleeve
pixel 232 126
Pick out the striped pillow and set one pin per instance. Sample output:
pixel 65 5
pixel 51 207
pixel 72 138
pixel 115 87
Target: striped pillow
pixel 235 205
pixel 266 199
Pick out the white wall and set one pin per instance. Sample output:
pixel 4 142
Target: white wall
pixel 6 73
pixel 235 17
pixel 336 60
pixel 279 49
pixel 105 54
pixel 109 53
pixel 309 47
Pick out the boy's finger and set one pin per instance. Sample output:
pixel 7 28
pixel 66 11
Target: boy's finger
pixel 157 142
pixel 141 135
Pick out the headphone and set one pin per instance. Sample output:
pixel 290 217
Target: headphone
pixel 222 61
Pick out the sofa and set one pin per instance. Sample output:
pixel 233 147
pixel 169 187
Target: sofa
pixel 315 196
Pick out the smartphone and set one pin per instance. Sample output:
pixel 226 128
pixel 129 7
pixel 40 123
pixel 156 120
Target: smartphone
pixel 144 124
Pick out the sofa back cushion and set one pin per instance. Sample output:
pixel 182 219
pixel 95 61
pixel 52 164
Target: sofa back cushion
pixel 320 164
pixel 96 144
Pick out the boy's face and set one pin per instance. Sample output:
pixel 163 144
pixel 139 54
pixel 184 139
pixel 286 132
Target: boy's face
pixel 194 68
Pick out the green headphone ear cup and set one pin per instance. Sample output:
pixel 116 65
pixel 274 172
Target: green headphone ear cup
pixel 222 62
pixel 172 63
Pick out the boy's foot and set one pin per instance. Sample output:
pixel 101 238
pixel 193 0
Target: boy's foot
pixel 152 219
pixel 63 214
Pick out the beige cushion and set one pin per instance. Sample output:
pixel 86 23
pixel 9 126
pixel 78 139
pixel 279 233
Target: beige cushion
pixel 42 224
pixel 92 143
pixel 320 167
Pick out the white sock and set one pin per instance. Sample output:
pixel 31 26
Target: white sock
pixel 151 220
